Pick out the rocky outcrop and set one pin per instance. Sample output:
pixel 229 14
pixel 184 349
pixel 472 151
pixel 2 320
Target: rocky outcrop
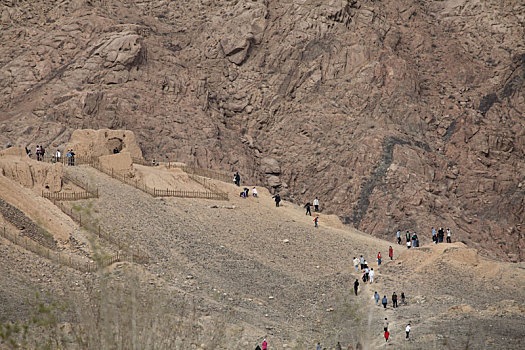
pixel 401 114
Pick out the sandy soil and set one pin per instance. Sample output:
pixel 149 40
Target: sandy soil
pixel 267 272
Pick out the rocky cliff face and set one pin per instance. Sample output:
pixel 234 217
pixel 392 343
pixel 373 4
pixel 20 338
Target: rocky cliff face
pixel 397 114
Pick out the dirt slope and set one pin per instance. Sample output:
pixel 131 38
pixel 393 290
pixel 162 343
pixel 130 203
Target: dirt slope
pixel 397 114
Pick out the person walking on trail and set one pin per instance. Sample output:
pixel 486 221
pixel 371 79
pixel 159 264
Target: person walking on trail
pixel 362 262
pixel 254 192
pixel 264 345
pixel 277 199
pixel 308 211
pixel 318 346
pixel 448 236
pixel 367 274
pixel 371 275
pixel 237 179
pixel 403 298
pixel 414 239
pixel 387 335
pixel 356 264
pixel 407 330
pixel 316 204
pixel 338 346
pixel 408 244
pixel 391 252
pixel 398 234
pixel 376 297
pixel 385 325
pixel 394 300
pixel 316 221
pixel 407 235
pixel 37 152
pixel 356 285
pixel 379 258
pixel 434 236
pixel 384 301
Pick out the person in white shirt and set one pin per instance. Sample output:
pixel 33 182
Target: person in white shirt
pixel 448 236
pixel 356 264
pixel 407 330
pixel 372 274
pixel 254 192
pixel 57 156
pixel 316 204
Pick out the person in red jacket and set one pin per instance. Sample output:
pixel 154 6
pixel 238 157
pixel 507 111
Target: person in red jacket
pixel 264 345
pixel 387 334
pixel 379 258
pixel 391 252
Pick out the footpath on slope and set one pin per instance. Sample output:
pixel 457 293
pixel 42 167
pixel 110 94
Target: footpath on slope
pixel 247 250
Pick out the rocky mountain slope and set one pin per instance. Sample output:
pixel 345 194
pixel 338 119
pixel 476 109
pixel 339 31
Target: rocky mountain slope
pixel 397 114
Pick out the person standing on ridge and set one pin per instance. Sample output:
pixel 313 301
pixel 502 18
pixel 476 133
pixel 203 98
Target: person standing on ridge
pixel 356 285
pixel 316 204
pixel 277 199
pixel 391 252
pixel 308 211
pixel 254 192
pixel 440 235
pixel 448 236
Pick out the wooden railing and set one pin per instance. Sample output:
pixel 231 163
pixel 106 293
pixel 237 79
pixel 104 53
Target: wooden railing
pixel 89 191
pixel 156 192
pixel 72 196
pixel 136 254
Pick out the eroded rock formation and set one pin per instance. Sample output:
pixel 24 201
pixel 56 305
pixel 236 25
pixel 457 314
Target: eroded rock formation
pixel 397 114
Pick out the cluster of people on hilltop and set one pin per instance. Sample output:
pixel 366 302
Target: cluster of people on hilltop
pixel 40 152
pixel 412 240
pixel 437 237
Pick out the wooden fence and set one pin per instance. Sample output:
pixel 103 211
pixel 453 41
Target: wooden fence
pixel 89 191
pixel 156 192
pixel 73 196
pixel 136 254
pixel 69 260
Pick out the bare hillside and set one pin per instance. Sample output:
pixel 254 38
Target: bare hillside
pixel 397 114
pixel 226 274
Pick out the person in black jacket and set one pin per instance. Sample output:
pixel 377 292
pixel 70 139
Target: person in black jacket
pixel 308 211
pixel 277 199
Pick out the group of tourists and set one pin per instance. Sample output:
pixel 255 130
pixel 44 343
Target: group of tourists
pixel 245 193
pixel 308 206
pixel 387 333
pixel 437 237
pixel 412 240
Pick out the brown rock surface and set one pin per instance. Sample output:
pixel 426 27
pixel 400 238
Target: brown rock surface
pixel 400 114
